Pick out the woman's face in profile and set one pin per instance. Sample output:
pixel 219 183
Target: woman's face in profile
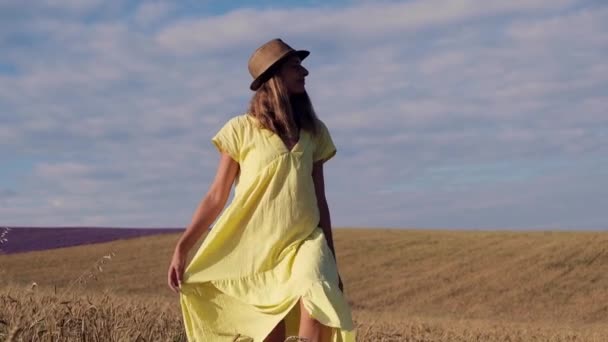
pixel 293 73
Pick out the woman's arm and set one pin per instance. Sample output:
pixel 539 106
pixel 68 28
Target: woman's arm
pixel 212 204
pixel 207 211
pixel 324 220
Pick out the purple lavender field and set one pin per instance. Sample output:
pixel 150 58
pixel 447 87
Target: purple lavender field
pixel 26 239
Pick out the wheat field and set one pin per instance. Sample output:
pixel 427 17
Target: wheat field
pixel 403 285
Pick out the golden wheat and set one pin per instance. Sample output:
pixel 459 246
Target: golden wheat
pixel 403 286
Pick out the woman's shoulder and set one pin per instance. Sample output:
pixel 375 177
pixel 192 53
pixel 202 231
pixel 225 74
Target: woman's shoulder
pixel 321 128
pixel 238 121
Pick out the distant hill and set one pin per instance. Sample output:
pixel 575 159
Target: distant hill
pixel 558 278
pixel 27 239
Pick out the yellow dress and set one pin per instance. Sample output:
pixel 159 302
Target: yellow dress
pixel 266 250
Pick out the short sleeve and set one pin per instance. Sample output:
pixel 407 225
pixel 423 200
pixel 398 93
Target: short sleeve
pixel 228 139
pixel 324 145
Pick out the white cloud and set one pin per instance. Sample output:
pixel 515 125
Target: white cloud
pixel 72 4
pixel 363 22
pixel 150 12
pixel 571 28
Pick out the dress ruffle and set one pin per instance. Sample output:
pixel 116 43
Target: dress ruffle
pixel 275 294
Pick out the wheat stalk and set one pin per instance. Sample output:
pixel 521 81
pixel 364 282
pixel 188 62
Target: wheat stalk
pixel 82 279
pixel 3 238
pixel 296 339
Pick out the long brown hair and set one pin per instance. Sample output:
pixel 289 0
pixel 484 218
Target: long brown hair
pixel 281 113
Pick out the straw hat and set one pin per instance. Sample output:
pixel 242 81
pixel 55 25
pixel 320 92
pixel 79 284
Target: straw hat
pixel 265 57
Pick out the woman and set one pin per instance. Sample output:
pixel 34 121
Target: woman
pixel 267 269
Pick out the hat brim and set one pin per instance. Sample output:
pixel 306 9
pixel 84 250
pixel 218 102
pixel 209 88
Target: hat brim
pixel 257 83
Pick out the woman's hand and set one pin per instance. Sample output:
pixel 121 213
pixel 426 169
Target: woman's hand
pixel 176 270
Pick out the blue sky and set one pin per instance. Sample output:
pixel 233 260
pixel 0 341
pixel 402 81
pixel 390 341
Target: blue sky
pixel 453 114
